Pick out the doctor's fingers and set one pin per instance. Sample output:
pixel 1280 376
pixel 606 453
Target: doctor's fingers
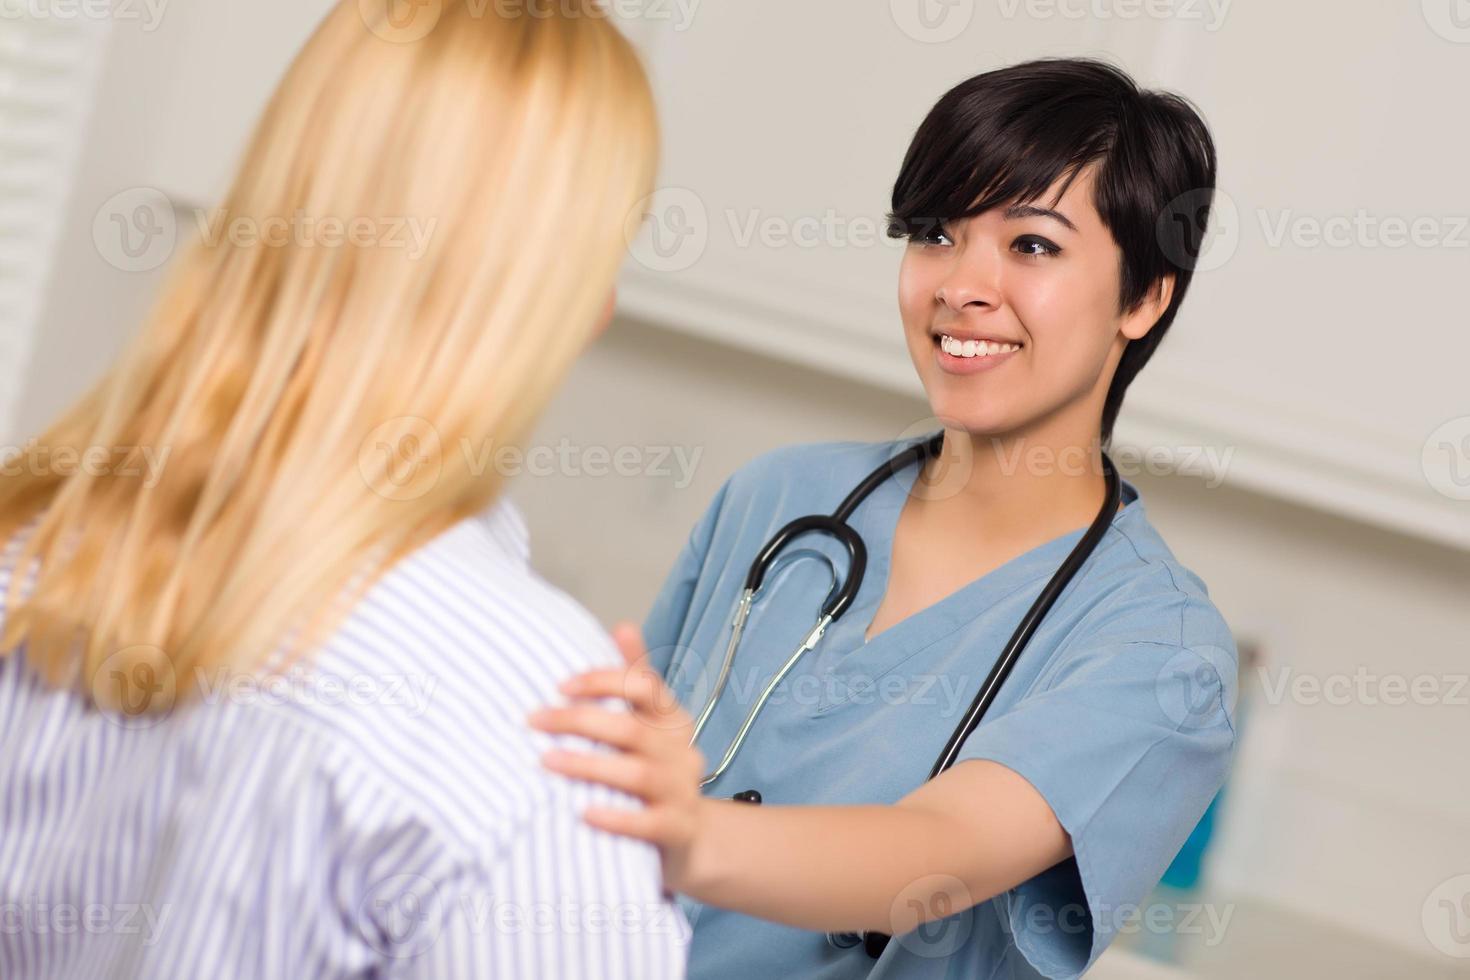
pixel 620 729
pixel 665 827
pixel 641 688
pixel 653 781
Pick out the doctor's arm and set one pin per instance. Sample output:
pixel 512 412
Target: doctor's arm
pixel 975 831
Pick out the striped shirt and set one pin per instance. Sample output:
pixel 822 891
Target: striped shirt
pixel 380 812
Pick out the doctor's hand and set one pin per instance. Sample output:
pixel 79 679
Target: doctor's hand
pixel 652 757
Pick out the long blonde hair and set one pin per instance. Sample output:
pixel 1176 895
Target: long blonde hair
pixel 313 399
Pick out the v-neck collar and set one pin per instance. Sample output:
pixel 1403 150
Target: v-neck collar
pixel 848 656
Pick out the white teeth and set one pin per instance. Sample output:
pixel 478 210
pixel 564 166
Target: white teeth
pixel 973 348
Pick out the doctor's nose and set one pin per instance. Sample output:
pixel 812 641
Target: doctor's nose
pixel 970 284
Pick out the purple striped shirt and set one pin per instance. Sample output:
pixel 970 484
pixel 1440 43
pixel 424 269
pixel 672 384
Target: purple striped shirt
pixel 380 811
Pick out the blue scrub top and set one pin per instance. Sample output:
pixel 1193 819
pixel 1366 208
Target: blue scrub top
pixel 1119 712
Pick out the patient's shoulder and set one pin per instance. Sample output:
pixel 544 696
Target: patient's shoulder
pixel 470 608
pixel 439 664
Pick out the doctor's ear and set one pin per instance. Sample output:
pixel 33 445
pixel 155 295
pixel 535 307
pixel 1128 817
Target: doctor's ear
pixel 1141 319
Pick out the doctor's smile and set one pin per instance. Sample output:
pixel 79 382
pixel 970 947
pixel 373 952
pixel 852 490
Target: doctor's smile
pixel 968 356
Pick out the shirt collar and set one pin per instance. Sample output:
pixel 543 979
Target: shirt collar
pixel 506 526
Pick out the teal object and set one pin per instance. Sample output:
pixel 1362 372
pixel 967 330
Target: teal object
pixel 1184 871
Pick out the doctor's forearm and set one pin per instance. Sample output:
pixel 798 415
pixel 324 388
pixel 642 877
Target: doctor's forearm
pixel 828 868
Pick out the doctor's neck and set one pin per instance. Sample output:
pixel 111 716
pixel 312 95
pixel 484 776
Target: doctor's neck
pixel 1032 485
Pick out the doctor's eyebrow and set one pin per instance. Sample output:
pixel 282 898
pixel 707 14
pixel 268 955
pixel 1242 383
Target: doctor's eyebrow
pixel 1032 211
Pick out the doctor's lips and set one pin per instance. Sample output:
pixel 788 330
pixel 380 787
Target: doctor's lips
pixel 964 352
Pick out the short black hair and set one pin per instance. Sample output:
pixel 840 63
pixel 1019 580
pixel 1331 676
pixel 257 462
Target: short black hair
pixel 1007 135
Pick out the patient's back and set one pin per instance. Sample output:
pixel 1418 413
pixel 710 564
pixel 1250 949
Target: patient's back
pixel 380 810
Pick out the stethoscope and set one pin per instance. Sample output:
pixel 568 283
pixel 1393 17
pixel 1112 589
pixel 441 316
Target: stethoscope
pixel 842 596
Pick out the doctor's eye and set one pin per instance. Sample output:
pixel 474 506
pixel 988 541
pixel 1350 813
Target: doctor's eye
pixel 924 231
pixel 1033 246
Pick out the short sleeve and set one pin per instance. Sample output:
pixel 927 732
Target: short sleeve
pixel 663 627
pixel 1128 742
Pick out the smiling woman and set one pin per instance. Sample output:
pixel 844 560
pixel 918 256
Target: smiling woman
pixel 1043 265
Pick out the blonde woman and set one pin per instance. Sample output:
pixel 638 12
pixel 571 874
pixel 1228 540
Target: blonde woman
pixel 265 717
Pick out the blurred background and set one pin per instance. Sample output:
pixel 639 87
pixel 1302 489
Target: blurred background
pixel 1302 439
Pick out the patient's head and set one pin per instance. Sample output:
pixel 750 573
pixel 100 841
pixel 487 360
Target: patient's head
pixel 433 223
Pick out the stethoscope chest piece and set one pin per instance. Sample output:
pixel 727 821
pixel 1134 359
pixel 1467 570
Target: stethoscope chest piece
pixel 873 943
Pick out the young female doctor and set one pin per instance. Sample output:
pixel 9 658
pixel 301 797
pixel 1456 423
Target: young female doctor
pixel 1051 209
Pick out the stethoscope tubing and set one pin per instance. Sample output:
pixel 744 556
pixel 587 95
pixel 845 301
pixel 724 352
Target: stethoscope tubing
pixel 836 604
pixel 1032 620
pixel 840 600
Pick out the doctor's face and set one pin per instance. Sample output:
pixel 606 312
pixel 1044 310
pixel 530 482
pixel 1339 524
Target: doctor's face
pixel 1011 316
